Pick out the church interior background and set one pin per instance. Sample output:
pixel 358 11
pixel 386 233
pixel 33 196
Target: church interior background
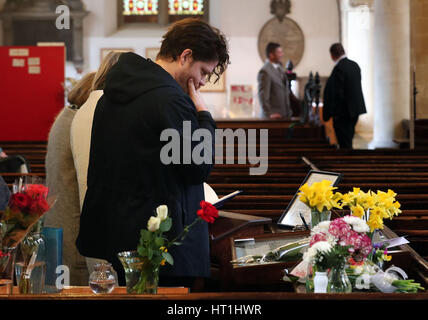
pixel 386 37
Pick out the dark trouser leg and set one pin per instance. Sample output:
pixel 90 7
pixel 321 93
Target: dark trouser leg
pixel 345 129
pixel 118 267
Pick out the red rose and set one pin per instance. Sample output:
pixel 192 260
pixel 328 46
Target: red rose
pixel 39 206
pixel 19 202
pixel 3 255
pixel 37 191
pixel 207 212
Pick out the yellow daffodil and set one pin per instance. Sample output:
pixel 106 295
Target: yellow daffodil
pixel 369 202
pixel 385 257
pixel 356 191
pixel 375 220
pixel 320 196
pixel 357 211
pixel 346 199
pixel 379 204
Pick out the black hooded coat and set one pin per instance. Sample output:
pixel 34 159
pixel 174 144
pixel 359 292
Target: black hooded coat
pixel 126 178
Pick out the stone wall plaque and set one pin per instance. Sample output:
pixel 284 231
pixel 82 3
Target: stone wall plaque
pixel 288 34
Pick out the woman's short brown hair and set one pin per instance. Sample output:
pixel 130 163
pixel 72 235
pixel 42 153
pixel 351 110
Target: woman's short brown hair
pixel 206 42
pixel 81 90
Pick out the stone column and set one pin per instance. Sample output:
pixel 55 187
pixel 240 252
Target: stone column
pixel 357 38
pixel 78 42
pixel 391 71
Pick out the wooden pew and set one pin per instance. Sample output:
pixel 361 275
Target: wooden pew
pixel 404 171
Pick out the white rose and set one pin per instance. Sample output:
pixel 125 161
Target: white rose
pixel 153 224
pixel 162 212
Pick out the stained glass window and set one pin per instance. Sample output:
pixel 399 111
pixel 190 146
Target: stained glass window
pixel 161 12
pixel 186 7
pixel 140 7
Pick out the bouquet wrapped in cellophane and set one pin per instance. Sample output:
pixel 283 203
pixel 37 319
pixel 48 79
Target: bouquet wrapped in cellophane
pixel 29 201
pixel 292 251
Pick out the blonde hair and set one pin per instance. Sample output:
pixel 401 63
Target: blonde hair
pixel 100 77
pixel 81 90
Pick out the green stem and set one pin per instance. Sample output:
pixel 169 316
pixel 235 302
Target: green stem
pixel 24 282
pixel 183 233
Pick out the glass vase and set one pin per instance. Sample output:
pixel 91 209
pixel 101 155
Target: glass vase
pixel 7 262
pixel 30 266
pixel 102 279
pixel 142 277
pixel 338 281
pixel 317 217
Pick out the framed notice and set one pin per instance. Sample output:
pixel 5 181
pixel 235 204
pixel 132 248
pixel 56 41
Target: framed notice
pixel 291 215
pixel 241 101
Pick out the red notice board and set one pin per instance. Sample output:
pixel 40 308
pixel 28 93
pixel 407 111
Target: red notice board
pixel 31 91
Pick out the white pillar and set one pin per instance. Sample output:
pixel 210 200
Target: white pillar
pixel 359 48
pixel 391 70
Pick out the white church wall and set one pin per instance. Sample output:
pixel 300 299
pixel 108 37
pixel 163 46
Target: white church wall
pixel 240 20
pixel 359 48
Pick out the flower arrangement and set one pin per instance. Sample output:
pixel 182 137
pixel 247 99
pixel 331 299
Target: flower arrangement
pixel 344 244
pixel 333 242
pixel 153 245
pixel 371 206
pixel 320 196
pixel 27 205
pixel 348 242
pixel 367 275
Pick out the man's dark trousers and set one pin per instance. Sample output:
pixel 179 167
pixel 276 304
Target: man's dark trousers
pixel 345 129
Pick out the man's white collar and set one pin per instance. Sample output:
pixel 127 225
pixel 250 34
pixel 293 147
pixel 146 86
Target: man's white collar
pixel 275 65
pixel 340 58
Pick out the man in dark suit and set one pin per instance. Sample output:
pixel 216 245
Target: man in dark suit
pixel 127 177
pixel 273 89
pixel 343 96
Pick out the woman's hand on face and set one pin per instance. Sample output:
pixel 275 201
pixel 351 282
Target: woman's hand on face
pixel 196 96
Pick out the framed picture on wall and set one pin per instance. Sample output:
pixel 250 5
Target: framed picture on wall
pixel 105 51
pixel 151 53
pixel 220 86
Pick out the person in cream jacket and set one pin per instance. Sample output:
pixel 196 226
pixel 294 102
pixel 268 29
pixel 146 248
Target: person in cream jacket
pixel 80 133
